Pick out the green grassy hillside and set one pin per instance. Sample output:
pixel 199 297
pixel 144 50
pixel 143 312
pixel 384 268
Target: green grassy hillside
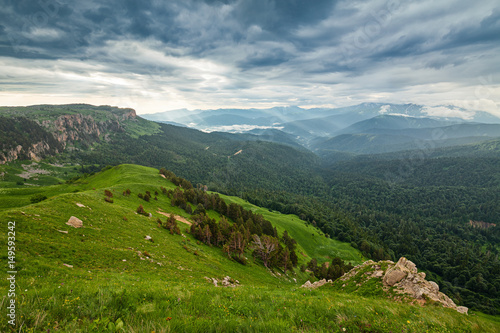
pixel 107 277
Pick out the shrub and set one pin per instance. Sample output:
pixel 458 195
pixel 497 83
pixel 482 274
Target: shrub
pixel 108 199
pixel 140 210
pixel 108 193
pixel 37 198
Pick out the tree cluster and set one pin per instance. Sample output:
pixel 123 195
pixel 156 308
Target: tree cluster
pixel 329 271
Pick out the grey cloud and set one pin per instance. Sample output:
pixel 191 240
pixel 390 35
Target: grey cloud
pixel 487 31
pixel 251 51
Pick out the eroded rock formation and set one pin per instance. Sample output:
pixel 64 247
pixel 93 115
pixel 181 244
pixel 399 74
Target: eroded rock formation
pixel 402 278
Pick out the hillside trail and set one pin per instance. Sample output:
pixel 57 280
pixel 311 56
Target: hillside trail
pixel 177 217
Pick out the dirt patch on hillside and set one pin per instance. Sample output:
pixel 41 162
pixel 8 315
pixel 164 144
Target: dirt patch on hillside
pixel 177 217
pixel 31 170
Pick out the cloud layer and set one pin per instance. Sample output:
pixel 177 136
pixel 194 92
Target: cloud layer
pixel 158 55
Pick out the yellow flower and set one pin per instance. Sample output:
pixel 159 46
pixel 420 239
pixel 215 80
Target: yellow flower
pixel 408 321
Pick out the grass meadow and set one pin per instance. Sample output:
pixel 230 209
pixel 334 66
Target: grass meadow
pixel 106 277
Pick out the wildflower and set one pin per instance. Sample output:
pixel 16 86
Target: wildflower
pixel 408 321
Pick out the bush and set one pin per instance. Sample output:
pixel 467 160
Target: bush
pixel 108 199
pixel 37 198
pixel 140 210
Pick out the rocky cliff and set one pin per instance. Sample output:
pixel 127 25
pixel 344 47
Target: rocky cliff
pixel 38 137
pixel 21 138
pixel 68 129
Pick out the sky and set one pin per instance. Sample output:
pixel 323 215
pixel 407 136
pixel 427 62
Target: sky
pixel 154 55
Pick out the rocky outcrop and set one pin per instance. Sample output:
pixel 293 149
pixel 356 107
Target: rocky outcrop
pixel 84 128
pixel 225 282
pixel 317 284
pixel 481 224
pixel 414 284
pixel 10 155
pixel 401 278
pixel 35 152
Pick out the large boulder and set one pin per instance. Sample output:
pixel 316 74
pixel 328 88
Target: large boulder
pixel 434 285
pixel 393 276
pixel 398 272
pixel 75 222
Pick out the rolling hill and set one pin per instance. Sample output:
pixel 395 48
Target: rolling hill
pixel 107 275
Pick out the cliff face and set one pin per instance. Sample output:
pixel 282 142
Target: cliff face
pixel 22 138
pixel 69 129
pixel 35 151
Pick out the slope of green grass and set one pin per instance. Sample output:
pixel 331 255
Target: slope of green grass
pixel 119 281
pixel 311 240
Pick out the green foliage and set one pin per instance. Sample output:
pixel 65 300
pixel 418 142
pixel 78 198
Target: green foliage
pixel 37 198
pixel 329 271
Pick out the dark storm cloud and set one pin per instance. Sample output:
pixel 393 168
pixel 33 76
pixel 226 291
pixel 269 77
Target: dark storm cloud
pixel 487 31
pixel 249 51
pixel 282 15
pixel 86 23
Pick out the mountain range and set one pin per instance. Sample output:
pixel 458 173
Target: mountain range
pixel 365 128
